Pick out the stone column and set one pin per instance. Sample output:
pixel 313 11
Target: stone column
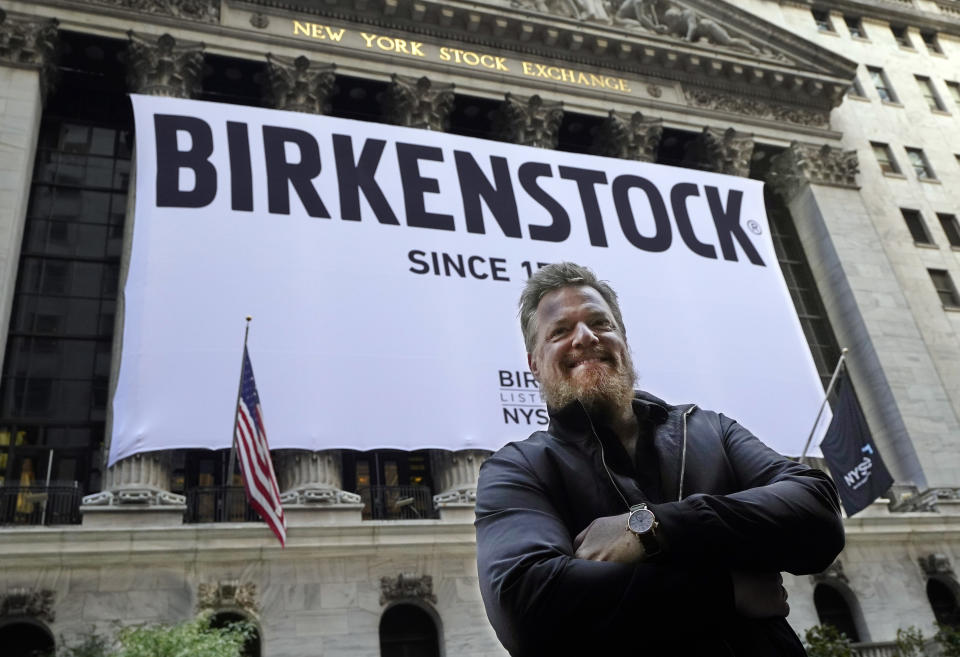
pixel 528 121
pixel 27 69
pixel 298 84
pixel 455 476
pixel 629 137
pixel 418 103
pixel 309 481
pixel 137 488
pixel 163 67
pixel 870 315
pixel 724 151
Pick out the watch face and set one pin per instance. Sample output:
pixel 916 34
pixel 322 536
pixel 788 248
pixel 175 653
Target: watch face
pixel 641 521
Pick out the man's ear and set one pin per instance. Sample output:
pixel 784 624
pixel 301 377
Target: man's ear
pixel 532 363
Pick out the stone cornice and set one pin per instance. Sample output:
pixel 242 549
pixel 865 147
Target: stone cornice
pixel 79 545
pixel 789 91
pixel 900 12
pixel 798 72
pixel 877 524
pixel 83 546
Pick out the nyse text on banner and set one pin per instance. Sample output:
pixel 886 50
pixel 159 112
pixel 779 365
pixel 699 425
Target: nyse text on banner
pixel 383 266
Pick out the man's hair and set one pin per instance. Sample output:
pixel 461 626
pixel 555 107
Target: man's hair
pixel 554 277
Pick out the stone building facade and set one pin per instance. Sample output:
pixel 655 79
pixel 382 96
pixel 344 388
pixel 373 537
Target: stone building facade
pixel 847 110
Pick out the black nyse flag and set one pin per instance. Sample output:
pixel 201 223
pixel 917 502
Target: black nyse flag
pixel 851 454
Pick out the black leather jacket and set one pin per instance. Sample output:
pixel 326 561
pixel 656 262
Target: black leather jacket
pixel 743 507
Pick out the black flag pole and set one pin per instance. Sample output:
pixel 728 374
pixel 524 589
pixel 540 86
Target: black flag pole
pixel 236 410
pixel 823 404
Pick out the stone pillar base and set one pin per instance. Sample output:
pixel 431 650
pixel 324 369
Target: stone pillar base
pixel 137 507
pixel 457 512
pixel 132 515
pixel 318 497
pixel 322 515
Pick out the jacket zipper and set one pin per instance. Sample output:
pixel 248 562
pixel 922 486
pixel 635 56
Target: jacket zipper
pixel 683 451
pixel 603 455
pixel 603 458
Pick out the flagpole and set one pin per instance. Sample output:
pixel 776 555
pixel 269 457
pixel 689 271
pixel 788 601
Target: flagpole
pixel 826 396
pixel 46 490
pixel 236 410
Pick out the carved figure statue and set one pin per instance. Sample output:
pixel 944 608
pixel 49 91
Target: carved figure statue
pixel 640 12
pixel 568 8
pixel 686 24
pixel 594 10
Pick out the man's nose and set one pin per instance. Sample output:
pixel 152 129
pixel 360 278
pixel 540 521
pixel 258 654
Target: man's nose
pixel 583 336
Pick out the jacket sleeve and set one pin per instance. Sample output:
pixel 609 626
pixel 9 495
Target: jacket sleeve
pixel 786 517
pixel 537 595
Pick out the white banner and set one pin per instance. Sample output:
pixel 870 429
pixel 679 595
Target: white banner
pixel 382 267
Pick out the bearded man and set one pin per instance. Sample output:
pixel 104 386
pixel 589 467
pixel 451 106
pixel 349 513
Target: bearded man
pixel 631 524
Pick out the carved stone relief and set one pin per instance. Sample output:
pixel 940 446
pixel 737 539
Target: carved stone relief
pixel 936 564
pixel 803 163
pixel 723 151
pixel 207 11
pixel 629 137
pixel 24 602
pixel 418 103
pixel 30 43
pixel 231 594
pixel 833 573
pixel 162 67
pixel 406 586
pixel 759 108
pixel 528 121
pixel 299 85
pixel 662 17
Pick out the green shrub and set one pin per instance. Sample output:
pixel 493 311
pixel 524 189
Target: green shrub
pixel 948 637
pixel 192 638
pixel 910 642
pixel 827 641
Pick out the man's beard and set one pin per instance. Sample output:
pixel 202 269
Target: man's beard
pixel 603 389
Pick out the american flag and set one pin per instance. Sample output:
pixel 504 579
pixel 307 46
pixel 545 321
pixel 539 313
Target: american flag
pixel 259 479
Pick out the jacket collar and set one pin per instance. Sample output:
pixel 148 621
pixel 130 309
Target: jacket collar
pixel 571 423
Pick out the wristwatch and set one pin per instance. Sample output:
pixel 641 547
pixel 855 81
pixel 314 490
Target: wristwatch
pixel 643 524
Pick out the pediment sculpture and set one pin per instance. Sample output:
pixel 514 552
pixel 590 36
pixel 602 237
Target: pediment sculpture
pixel 664 17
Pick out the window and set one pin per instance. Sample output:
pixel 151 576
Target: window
pixel 803 289
pixel 251 647
pixel 917 226
pixel 822 18
pixel 950 228
pixel 918 160
pixel 882 84
pixel 52 389
pixel 392 484
pixel 885 158
pixel 406 630
pixel 26 636
pixel 931 42
pixel 832 609
pixel 855 27
pixel 944 286
pixel 856 89
pixel 901 36
pixel 954 89
pixel 930 93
